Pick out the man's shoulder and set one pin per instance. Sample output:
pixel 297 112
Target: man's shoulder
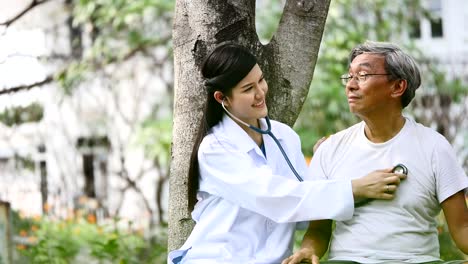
pixel 424 133
pixel 341 141
pixel 349 132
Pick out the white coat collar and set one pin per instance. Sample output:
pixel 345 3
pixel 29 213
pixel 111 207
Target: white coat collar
pixel 235 133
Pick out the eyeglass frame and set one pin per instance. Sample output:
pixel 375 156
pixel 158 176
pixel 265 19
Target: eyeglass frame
pixel 359 77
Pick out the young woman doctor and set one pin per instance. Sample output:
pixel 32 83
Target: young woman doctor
pixel 249 200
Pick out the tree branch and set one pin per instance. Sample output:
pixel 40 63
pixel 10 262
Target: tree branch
pixel 33 4
pixel 131 53
pixel 15 89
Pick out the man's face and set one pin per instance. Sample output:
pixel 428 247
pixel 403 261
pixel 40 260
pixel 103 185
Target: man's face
pixel 368 96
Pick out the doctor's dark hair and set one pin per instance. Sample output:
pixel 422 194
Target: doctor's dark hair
pixel 397 63
pixel 222 69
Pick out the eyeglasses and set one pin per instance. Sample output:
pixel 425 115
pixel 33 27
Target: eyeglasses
pixel 360 77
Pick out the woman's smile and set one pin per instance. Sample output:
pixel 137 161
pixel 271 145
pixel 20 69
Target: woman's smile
pixel 260 104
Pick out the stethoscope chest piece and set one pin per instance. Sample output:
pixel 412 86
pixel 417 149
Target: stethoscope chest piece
pixel 401 169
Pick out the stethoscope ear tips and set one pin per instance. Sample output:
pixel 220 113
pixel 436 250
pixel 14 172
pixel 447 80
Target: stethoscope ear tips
pixel 401 169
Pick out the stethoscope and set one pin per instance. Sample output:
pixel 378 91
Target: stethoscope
pixel 266 132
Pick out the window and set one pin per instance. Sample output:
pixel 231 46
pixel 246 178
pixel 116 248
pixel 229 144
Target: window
pixel 436 28
pixel 415 28
pixel 91 149
pixel 435 9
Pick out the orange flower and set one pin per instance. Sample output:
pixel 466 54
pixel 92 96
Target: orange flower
pixel 34 228
pixel 23 233
pixel 20 247
pixel 47 207
pixel 91 218
pixel 32 239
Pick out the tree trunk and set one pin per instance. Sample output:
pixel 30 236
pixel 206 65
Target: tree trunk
pixel 288 63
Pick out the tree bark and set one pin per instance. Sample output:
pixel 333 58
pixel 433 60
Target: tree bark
pixel 288 63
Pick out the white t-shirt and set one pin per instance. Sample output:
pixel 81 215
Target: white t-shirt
pixel 403 229
pixel 248 203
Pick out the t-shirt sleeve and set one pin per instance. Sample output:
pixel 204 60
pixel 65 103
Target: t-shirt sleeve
pixel 450 176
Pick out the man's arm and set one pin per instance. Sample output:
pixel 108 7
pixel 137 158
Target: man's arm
pixel 314 244
pixel 456 215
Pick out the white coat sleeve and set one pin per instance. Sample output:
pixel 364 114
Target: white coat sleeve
pixel 227 172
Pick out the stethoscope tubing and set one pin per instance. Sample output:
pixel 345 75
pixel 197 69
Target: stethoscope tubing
pixel 267 132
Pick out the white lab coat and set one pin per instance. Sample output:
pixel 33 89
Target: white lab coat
pixel 248 204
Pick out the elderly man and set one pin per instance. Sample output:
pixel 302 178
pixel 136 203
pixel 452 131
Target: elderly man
pixel 380 82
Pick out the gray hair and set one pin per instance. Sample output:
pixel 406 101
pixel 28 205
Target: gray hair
pixel 397 63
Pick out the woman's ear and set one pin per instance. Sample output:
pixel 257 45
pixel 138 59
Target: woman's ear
pixel 218 96
pixel 399 88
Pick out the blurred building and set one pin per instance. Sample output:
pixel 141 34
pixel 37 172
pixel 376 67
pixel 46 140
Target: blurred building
pixel 442 37
pixel 82 150
pixel 445 36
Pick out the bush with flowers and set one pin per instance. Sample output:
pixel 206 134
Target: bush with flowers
pixel 81 240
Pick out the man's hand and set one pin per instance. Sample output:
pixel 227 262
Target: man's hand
pixel 318 143
pixel 304 255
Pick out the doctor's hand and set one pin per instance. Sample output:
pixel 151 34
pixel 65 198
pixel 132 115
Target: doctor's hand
pixel 318 143
pixel 304 255
pixel 379 184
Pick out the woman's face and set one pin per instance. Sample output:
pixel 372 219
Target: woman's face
pixel 247 99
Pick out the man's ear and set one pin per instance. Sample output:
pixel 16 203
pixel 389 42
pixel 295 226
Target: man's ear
pixel 218 96
pixel 399 88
